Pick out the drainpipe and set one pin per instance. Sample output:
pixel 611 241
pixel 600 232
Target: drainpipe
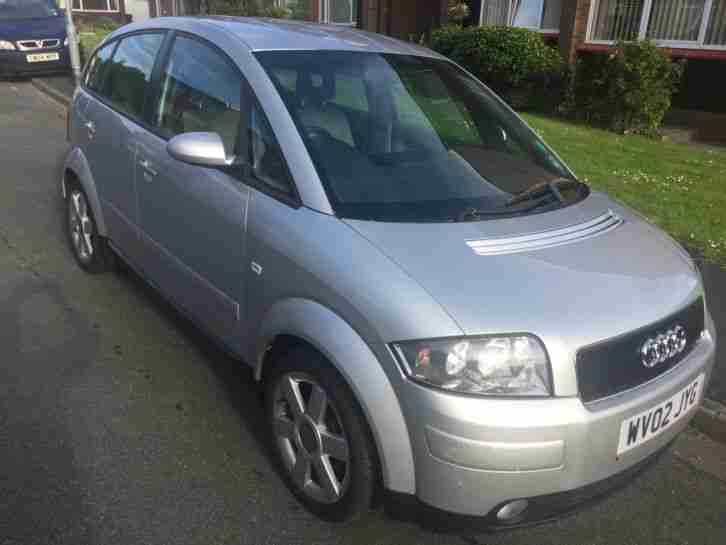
pixel 73 43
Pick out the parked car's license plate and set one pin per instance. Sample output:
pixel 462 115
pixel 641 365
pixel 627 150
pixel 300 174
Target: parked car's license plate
pixel 42 57
pixel 638 429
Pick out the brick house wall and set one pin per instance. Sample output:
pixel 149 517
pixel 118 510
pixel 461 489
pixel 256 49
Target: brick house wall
pixel 402 18
pixel 573 26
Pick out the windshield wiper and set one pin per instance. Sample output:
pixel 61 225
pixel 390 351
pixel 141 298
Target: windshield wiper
pixel 473 214
pixel 542 188
pixel 538 195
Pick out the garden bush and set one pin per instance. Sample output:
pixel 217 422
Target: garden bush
pixel 629 90
pixel 514 62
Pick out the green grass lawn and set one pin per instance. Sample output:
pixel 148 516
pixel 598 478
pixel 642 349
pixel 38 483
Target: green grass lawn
pixel 680 187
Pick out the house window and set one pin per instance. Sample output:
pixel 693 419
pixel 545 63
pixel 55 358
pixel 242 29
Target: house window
pixel 95 5
pixel 617 19
pixel 301 10
pixel 716 27
pixel 533 14
pixel 339 12
pixel 676 20
pixel 673 23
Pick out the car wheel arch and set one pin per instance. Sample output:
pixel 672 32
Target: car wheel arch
pixel 311 323
pixel 76 169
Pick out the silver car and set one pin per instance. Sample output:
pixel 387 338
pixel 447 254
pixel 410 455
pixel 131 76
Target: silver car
pixel 440 313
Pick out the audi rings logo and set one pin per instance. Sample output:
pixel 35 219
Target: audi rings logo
pixel 663 347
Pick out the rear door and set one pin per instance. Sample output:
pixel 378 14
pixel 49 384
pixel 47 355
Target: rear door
pixel 85 117
pixel 113 118
pixel 192 217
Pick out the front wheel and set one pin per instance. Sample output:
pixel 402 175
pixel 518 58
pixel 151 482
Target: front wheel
pixel 322 442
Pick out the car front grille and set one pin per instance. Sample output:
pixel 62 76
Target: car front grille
pixel 615 365
pixel 31 45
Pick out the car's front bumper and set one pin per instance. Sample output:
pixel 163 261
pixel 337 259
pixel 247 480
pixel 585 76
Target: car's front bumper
pixel 15 63
pixel 474 455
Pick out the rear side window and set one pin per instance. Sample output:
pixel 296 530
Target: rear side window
pixel 129 75
pixel 200 92
pixel 98 68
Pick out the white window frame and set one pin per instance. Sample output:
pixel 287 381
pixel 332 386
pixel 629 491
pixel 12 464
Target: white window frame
pixel 108 5
pixel 537 29
pixel 643 29
pixel 325 14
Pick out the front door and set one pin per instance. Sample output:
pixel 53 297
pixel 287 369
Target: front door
pixel 192 217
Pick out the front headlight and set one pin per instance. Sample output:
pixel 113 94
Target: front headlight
pixel 8 46
pixel 502 365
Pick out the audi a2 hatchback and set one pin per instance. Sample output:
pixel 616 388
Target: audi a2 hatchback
pixel 434 304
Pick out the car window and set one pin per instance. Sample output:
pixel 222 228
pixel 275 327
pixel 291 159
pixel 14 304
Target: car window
pixel 129 74
pixel 411 139
pixel 350 92
pixel 268 164
pixel 200 92
pixel 25 9
pixel 97 69
pixel 422 103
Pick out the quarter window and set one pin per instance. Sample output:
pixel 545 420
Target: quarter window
pixel 98 68
pixel 200 92
pixel 130 72
pixel 268 164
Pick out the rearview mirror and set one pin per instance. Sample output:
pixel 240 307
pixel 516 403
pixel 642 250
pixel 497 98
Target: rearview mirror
pixel 199 148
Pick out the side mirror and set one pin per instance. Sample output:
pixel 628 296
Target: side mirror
pixel 199 148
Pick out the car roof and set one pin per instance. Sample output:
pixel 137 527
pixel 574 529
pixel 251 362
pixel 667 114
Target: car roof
pixel 263 34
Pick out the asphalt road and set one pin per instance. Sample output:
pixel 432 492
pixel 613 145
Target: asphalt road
pixel 120 424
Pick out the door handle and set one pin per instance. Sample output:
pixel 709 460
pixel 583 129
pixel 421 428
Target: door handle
pixel 91 128
pixel 149 170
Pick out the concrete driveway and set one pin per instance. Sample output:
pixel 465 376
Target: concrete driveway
pixel 120 424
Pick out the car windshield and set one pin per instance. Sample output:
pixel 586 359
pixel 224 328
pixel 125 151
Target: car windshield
pixel 408 138
pixel 26 9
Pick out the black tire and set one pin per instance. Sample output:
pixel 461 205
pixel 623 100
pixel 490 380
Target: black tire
pixel 98 257
pixel 362 469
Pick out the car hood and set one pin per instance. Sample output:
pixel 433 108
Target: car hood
pixel 31 29
pixel 548 279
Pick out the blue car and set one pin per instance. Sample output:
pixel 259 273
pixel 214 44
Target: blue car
pixel 33 38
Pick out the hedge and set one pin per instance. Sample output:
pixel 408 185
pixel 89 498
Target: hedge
pixel 514 62
pixel 629 90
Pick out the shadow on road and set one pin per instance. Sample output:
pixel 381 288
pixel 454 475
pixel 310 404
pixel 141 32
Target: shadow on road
pixel 236 377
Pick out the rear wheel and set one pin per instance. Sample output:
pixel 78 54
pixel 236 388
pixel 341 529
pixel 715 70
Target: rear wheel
pixel 322 442
pixel 89 248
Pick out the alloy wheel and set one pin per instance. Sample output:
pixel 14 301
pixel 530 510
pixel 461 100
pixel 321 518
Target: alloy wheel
pixel 309 432
pixel 81 225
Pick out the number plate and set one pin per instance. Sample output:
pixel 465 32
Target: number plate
pixel 643 427
pixel 42 57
